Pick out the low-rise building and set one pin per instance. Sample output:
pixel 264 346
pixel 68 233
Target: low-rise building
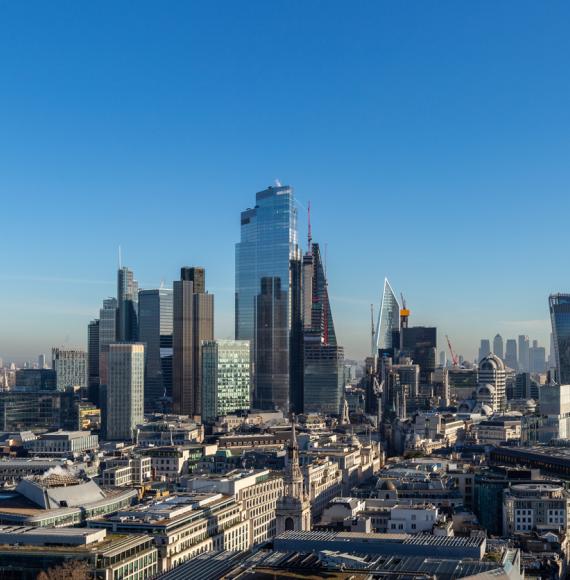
pixel 257 491
pixel 184 525
pixel 498 430
pixel 27 551
pixel 535 506
pixel 58 498
pixel 62 443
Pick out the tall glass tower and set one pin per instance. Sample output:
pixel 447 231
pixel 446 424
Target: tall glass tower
pixel 560 317
pixel 266 293
pixel 155 331
pixel 388 319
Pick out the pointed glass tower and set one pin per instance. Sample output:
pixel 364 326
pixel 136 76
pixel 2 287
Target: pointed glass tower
pixel 388 318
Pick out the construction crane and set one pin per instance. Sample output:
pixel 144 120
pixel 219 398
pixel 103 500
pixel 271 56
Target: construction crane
pixel 404 313
pixel 454 358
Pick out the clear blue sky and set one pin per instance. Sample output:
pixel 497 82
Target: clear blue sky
pixel 432 139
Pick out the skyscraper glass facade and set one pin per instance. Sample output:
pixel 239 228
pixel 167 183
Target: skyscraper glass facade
pixel 226 377
pixel 127 297
pixel 263 300
pixel 560 317
pixel 323 358
pixel 155 332
pixel 388 318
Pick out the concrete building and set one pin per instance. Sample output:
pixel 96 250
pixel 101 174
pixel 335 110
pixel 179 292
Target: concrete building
pixel 30 551
pixel 492 383
pixel 70 366
pixel 524 345
pixel 193 310
pixel 62 443
pixel 498 430
pixel 185 525
pixel 323 482
pixel 554 403
pixel 256 491
pixel 125 390
pixel 535 506
pixel 226 378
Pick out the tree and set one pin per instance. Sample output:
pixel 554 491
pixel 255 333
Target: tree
pixel 72 570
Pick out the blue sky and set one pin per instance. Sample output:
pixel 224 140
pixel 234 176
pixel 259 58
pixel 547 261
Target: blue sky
pixel 432 139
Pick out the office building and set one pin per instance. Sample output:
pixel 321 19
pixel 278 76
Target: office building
pixel 498 346
pixel 323 376
pixel 535 506
pixel 442 359
pixel 70 366
pixel 511 359
pixel 127 297
pixel 537 358
pixel 484 349
pixel 268 295
pixel 125 390
pixel 193 311
pixel 388 324
pixel 420 344
pixel 107 335
pixel 42 361
pixel 555 407
pixel 93 361
pixel 524 363
pixel 155 332
pixel 492 384
pixel 560 318
pixel 39 379
pixel 184 525
pixel 226 378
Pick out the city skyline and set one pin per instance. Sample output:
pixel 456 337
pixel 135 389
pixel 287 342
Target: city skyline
pixel 131 137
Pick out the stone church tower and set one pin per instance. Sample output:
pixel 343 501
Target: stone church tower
pixel 293 510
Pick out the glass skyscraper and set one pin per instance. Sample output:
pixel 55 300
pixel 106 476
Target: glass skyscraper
pixel 155 332
pixel 560 317
pixel 127 296
pixel 266 293
pixel 226 377
pixel 388 319
pixel 323 357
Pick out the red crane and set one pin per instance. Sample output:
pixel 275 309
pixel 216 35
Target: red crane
pixel 454 358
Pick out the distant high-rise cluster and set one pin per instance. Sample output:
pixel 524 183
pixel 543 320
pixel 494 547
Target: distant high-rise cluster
pixel 518 355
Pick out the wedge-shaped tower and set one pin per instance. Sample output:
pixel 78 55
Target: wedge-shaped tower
pixel 388 318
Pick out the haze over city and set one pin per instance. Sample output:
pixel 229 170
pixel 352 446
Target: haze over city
pixel 430 139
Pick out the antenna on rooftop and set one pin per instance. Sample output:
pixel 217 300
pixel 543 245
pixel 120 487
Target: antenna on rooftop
pixel 310 235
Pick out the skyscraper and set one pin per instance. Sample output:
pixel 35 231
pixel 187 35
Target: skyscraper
pixel 125 390
pixel 127 297
pixel 193 313
pixel 442 359
pixel 498 346
pixel 524 363
pixel 107 334
pixel 420 344
pixel 267 278
pixel 537 358
pixel 93 361
pixel 560 318
pixel 42 361
pixel 226 377
pixel 484 348
pixel 323 381
pixel 388 319
pixel 70 366
pixel 155 332
pixel 511 359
